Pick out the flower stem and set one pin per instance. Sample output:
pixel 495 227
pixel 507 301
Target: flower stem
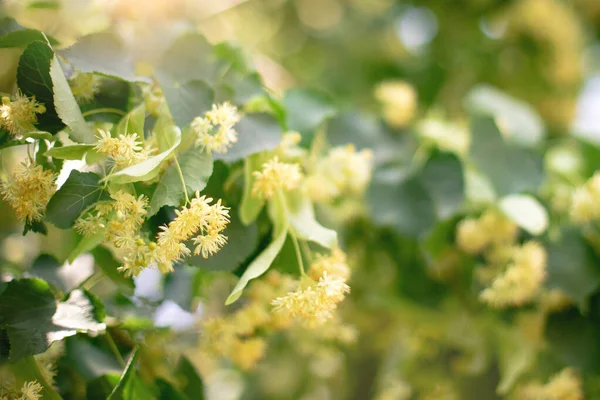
pixel 114 349
pixel 180 172
pixel 104 110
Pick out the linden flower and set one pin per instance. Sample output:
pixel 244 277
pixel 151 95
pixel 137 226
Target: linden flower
pixel 521 281
pixel 246 353
pixel 215 131
pixel 492 228
pixel 31 391
pixel 399 101
pixel 19 116
pixel 565 385
pixel 275 175
pixel 343 171
pixel 84 86
pixel 200 216
pixel 316 303
pixel 334 265
pixel 29 190
pixel 126 150
pixel 584 203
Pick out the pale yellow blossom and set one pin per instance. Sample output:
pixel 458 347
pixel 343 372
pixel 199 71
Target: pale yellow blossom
pixel 20 115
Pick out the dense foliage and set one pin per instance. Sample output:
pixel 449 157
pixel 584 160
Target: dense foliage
pixel 308 199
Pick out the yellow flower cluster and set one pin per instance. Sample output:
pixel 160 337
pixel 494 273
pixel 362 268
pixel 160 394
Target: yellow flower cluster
pixel 585 206
pixel 28 191
pixel 334 265
pixel 125 150
pixel 343 171
pixel 275 175
pixel 313 302
pixel 122 219
pixel 29 391
pixel 84 86
pixel 213 139
pixel 19 116
pixel 522 279
pixel 474 235
pixel 565 385
pixel 199 216
pixel 399 101
pixel 444 134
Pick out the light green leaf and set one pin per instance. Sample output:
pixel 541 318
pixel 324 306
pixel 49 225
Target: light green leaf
pixel 196 168
pixel 20 38
pixel 261 264
pixel 133 122
pixel 303 221
pixel 66 106
pixel 87 243
pixel 526 212
pixel 251 205
pixel 81 190
pixel 73 152
pixel 130 386
pixel 102 53
pixel 147 169
pixel 521 121
pixel 515 355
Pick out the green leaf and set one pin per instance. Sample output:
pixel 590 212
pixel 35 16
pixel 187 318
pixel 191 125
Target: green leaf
pixel 303 222
pixel 526 212
pixel 572 267
pixel 515 356
pixel 21 38
pixel 195 61
pixel 168 391
pixel 34 79
pixel 196 168
pixel 188 100
pixel 73 152
pixel 108 264
pixel 402 203
pixel 510 168
pixel 66 106
pixel 574 339
pixel 101 53
pixel 193 386
pixel 522 123
pixel 443 178
pixel 66 276
pixel 131 387
pixel 306 111
pixel 81 190
pixel 133 122
pixel 261 264
pixel 91 361
pixel 256 132
pixel 86 244
pixel 34 320
pixel 242 241
pixel 147 169
pixel 251 205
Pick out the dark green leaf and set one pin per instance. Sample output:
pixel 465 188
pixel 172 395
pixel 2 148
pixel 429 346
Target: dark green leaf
pixel 90 361
pixel 510 168
pixel 256 132
pixel 306 111
pixel 443 178
pixel 81 190
pixel 192 386
pixel 404 204
pixel 573 267
pixel 131 387
pixel 168 391
pixel 33 78
pixel 108 264
pixel 196 167
pixel 241 243
pixel 35 227
pixel 188 100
